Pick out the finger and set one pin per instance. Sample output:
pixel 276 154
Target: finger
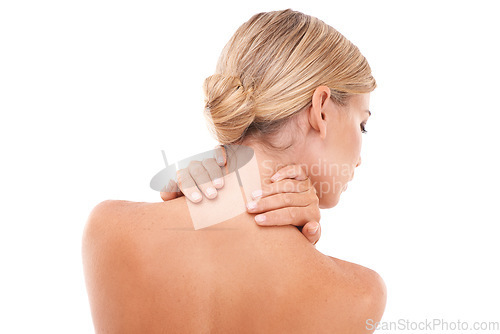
pixel 282 200
pixel 171 187
pixel 220 155
pixel 188 186
pixel 200 175
pixel 290 172
pixel 312 231
pixel 285 186
pixel 214 171
pixel 289 215
pixel 168 196
pixel 171 191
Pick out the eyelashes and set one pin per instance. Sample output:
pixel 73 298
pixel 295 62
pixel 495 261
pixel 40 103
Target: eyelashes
pixel 363 129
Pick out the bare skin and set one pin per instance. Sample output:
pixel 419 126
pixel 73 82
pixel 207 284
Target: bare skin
pixel 147 271
pixel 290 188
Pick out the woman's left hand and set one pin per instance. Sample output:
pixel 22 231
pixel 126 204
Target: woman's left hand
pixel 290 199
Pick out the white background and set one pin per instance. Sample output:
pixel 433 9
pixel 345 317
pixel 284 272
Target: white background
pixel 91 91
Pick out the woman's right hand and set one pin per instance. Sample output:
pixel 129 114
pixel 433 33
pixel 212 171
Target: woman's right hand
pixel 199 177
pixel 289 199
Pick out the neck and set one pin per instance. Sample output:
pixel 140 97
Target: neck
pixel 270 162
pixel 254 166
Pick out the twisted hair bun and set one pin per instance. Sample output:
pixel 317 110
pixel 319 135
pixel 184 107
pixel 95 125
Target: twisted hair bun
pixel 228 107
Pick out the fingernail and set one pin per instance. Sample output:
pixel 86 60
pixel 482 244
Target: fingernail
pixel 314 229
pixel 196 195
pixel 260 218
pixel 275 177
pixel 256 193
pixel 211 191
pixel 220 160
pixel 218 182
pixel 251 205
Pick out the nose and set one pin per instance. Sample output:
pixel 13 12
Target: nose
pixel 359 162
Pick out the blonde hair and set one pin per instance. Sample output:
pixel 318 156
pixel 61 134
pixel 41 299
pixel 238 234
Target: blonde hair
pixel 269 69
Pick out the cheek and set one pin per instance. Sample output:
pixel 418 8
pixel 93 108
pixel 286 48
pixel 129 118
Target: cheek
pixel 346 152
pixel 354 137
pixel 353 148
pixel 332 167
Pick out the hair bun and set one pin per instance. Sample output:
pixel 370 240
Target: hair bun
pixel 269 70
pixel 228 107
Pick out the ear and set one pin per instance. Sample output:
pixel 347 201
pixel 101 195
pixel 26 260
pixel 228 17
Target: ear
pixel 317 110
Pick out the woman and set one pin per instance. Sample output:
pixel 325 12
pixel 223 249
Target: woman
pixel 295 91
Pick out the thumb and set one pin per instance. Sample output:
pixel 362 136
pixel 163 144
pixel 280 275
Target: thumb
pixel 168 196
pixel 171 191
pixel 312 231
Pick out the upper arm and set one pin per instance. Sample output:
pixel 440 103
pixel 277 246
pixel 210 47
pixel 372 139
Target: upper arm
pixel 109 263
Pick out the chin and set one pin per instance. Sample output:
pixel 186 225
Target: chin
pixel 329 201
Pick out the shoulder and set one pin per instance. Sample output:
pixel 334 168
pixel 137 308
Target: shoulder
pixel 107 220
pixel 106 210
pixel 116 217
pixel 353 297
pixel 113 260
pixel 107 233
pixel 111 237
pixel 112 210
pixel 368 283
pixel 100 220
pixel 120 229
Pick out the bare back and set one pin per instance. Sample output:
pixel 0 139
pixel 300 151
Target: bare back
pixel 148 270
